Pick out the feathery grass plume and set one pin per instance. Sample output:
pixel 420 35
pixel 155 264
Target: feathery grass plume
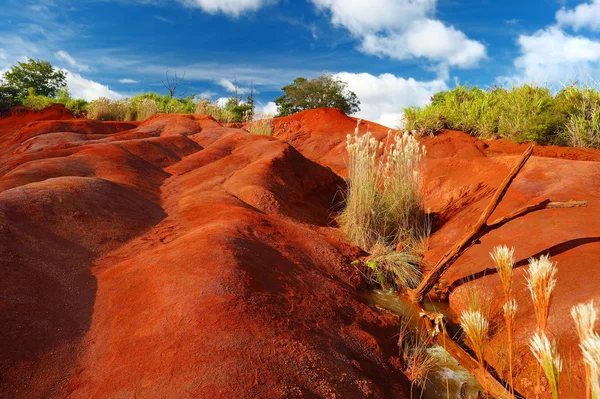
pixel 585 317
pixel 547 355
pixel 384 204
pixel 505 262
pixel 510 310
pixel 384 199
pixel 475 327
pixel 591 356
pixel 541 284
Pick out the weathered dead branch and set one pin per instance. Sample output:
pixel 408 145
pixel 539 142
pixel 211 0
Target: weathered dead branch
pixel 431 279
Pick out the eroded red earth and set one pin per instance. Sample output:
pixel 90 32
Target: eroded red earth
pixel 177 258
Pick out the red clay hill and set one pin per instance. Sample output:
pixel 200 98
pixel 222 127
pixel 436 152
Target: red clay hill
pixel 178 258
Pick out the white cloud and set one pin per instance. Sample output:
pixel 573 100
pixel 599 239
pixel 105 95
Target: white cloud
pixel 3 55
pixel 222 101
pixel 231 87
pixel 128 81
pixel 233 8
pixel 551 56
pixel 269 109
pixel 66 57
pixel 585 15
pixel 430 39
pixel 403 29
pixel 379 15
pixel 79 87
pixel 206 94
pixel 383 97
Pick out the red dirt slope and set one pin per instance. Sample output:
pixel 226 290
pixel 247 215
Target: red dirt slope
pixel 320 134
pixel 461 176
pixel 176 259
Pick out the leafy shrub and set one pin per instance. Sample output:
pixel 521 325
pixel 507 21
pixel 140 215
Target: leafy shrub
pixel 38 103
pixel 520 113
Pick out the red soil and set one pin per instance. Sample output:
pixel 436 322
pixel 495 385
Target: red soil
pixel 461 176
pixel 180 258
pixel 177 258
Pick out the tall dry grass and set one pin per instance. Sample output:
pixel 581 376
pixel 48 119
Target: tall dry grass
pixel 384 201
pixel 510 311
pixel 591 357
pixel 541 283
pixel 548 357
pixel 261 125
pixel 585 317
pixel 504 259
pixel 418 363
pixel 476 328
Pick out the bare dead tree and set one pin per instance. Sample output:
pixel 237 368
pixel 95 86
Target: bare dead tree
pixel 171 83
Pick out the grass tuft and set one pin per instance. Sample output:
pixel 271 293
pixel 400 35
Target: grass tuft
pixel 384 205
pixel 591 356
pixel 585 317
pixel 261 125
pixel 418 363
pixel 547 355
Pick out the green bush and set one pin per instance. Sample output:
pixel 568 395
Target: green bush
pixel 77 106
pixel 521 113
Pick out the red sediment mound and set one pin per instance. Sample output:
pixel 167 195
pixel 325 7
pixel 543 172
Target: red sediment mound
pixel 320 134
pixel 461 175
pixel 178 258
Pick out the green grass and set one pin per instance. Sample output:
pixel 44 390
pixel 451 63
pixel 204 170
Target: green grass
pixel 519 113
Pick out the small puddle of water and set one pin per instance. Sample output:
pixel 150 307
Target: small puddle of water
pixel 448 368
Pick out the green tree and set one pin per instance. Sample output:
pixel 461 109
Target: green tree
pixel 238 110
pixel 38 75
pixel 323 91
pixel 9 97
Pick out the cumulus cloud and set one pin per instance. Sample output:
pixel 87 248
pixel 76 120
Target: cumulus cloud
pixel 383 97
pixel 403 29
pixel 222 101
pixel 551 56
pixel 585 15
pixel 231 87
pixel 269 109
pixel 128 81
pixel 80 87
pixel 233 8
pixel 66 57
pixel 206 94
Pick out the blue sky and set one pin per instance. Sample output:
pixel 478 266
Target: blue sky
pixel 392 53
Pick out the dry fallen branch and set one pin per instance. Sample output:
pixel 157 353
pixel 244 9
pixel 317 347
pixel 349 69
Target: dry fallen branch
pixel 431 279
pixel 433 324
pixel 482 227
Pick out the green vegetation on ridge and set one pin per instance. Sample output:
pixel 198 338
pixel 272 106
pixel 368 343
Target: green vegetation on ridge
pixel 521 113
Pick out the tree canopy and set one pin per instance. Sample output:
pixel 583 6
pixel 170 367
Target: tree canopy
pixel 38 75
pixel 323 91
